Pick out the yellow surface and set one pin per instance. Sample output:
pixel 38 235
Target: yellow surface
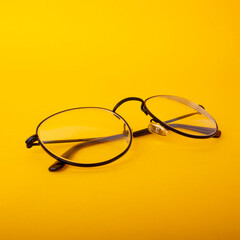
pixel 56 55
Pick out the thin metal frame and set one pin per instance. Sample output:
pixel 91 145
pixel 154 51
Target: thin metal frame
pixel 175 130
pixel 84 164
pixel 35 140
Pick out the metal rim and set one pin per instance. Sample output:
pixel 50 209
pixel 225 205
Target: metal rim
pixel 173 129
pixel 84 164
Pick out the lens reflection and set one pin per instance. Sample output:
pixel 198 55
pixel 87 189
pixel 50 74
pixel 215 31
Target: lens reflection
pixel 85 135
pixel 182 115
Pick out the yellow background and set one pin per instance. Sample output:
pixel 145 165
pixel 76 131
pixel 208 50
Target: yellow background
pixel 56 55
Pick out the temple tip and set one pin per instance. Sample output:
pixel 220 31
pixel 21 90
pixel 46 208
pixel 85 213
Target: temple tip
pixel 218 134
pixel 56 166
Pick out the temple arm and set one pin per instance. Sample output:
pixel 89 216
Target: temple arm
pixel 69 153
pixel 32 141
pixel 58 165
pixel 204 130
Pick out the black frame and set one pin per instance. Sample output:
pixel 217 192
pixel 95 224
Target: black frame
pixel 175 130
pixel 34 140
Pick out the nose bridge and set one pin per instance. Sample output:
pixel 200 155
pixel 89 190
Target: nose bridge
pixel 131 99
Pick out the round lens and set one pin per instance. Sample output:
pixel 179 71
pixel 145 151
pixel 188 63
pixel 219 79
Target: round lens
pixel 85 135
pixel 182 115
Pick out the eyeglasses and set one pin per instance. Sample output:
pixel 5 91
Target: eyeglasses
pixel 94 136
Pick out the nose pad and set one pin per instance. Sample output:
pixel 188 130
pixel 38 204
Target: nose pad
pixel 156 128
pixel 126 133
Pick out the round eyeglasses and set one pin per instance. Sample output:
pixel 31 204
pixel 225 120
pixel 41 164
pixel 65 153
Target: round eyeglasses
pixel 94 136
